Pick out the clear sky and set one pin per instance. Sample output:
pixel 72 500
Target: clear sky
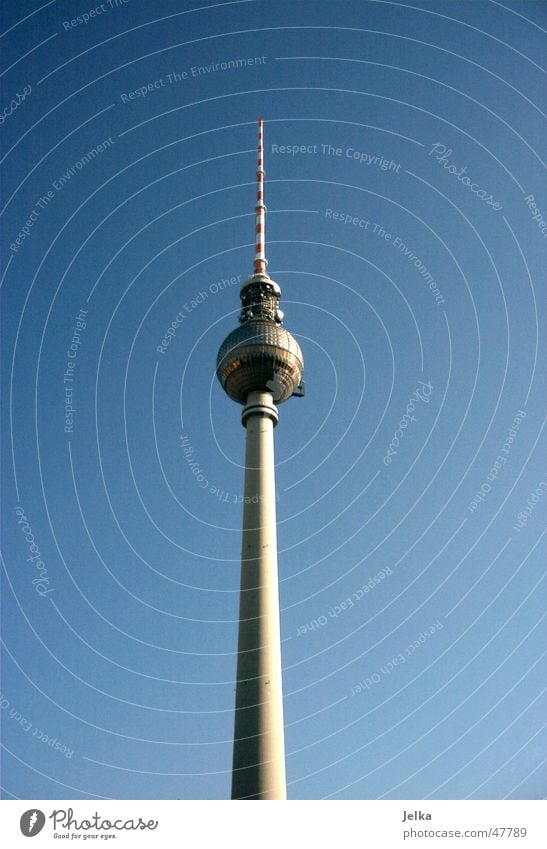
pixel 406 225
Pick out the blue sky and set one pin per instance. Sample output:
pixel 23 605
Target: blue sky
pixel 406 226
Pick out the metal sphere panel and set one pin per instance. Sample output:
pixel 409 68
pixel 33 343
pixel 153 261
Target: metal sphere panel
pixel 260 357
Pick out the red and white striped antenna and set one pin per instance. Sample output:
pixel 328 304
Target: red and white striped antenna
pixel 260 262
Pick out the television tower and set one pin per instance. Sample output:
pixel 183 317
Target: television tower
pixel 259 365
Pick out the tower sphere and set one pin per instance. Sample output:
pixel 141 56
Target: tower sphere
pixel 260 356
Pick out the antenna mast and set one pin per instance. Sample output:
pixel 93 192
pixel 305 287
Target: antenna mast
pixel 260 262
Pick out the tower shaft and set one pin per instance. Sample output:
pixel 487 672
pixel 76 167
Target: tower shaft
pixel 259 750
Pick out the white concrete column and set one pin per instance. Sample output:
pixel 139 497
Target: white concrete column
pixel 259 748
